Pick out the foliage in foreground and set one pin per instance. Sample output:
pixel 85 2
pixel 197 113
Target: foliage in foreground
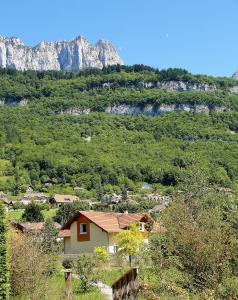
pixel 195 256
pixel 33 260
pixel 130 241
pixel 27 273
pixel 4 267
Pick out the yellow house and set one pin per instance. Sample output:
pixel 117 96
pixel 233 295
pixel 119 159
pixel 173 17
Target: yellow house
pixel 87 230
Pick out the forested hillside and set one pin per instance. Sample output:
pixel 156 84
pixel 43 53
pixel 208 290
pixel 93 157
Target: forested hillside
pixel 51 149
pixel 119 130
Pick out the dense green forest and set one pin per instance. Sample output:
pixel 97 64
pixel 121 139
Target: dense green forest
pixel 96 89
pixel 54 151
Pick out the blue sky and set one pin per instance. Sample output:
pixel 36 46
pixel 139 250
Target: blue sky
pixel 198 35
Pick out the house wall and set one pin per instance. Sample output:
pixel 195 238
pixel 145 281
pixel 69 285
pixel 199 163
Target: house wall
pixel 98 237
pixel 112 243
pixel 67 245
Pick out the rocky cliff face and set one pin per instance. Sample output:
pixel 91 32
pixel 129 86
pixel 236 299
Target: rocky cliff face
pixel 150 109
pixel 65 56
pixel 235 75
pixel 156 110
pixel 172 86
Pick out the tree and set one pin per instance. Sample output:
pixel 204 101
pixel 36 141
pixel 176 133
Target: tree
pixel 100 191
pixel 49 236
pixel 32 213
pixel 124 194
pixel 67 211
pixel 130 241
pixel 28 264
pixel 4 271
pixel 199 248
pixel 50 245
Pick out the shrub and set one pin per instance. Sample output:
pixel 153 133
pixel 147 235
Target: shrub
pixel 68 263
pixel 32 213
pixel 101 255
pixel 84 269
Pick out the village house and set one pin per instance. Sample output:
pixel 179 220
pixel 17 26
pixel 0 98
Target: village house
pixel 156 197
pixel 112 198
pixel 39 198
pixel 87 230
pixel 115 198
pixel 58 200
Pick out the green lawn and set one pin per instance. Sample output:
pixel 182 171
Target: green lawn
pixel 17 214
pixel 110 276
pixel 55 290
pixel 49 213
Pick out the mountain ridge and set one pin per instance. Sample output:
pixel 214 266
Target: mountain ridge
pixel 72 55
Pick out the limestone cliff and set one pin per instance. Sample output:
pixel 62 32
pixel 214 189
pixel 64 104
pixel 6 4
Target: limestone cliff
pixel 235 75
pixel 62 56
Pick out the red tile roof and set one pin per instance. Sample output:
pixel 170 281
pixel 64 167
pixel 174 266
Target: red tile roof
pixel 64 233
pixel 109 221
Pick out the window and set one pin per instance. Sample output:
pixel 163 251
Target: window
pixel 142 227
pixel 113 249
pixel 83 228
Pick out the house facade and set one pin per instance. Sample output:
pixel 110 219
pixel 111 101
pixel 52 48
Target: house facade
pixel 87 230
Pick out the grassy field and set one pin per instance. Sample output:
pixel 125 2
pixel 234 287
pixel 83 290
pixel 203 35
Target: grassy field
pixel 55 290
pixel 110 276
pixel 17 214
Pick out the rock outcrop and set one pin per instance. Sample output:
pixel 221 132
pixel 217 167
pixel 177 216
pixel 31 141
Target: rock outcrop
pixel 156 110
pixel 150 109
pixel 61 56
pixel 171 85
pixel 235 75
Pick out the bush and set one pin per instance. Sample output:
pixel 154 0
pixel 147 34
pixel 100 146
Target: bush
pixel 68 263
pixel 229 288
pixel 84 268
pixel 32 213
pixel 101 255
pixel 67 211
pixel 18 205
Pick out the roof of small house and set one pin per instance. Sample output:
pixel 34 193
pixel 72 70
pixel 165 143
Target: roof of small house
pixel 109 221
pixel 64 233
pixel 65 198
pixel 6 201
pixel 34 196
pixel 32 227
pixel 2 194
pixel 4 198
